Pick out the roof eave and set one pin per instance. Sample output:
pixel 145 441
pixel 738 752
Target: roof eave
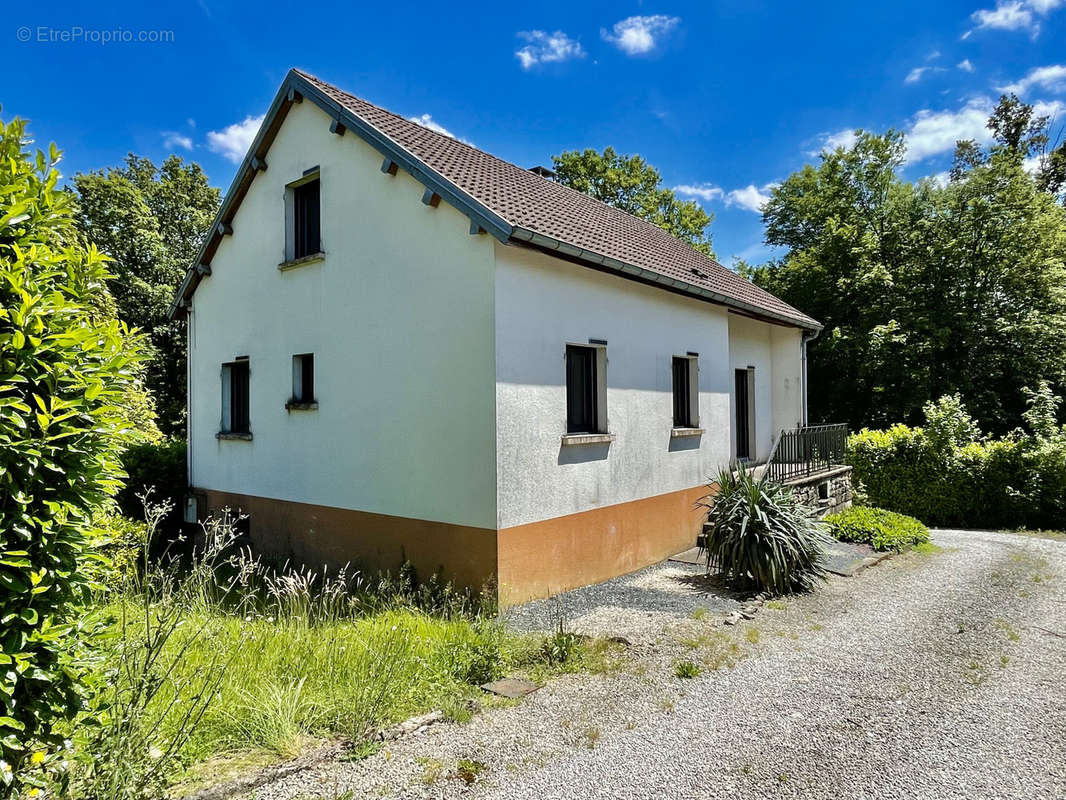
pixel 616 265
pixel 296 87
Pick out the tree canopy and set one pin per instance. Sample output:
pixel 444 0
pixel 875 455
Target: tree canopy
pixel 151 221
pixel 633 185
pixel 926 289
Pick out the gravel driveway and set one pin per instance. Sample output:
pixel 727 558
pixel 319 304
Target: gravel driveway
pixel 928 676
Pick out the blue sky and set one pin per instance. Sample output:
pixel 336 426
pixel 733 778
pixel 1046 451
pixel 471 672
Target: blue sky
pixel 725 98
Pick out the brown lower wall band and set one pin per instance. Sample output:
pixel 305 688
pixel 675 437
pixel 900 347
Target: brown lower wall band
pixel 543 558
pixel 528 561
pixel 316 535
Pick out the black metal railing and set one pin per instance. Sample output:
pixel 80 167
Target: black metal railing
pixel 806 450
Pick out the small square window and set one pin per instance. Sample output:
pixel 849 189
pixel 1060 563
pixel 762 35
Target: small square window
pixel 303 378
pixel 235 396
pixel 586 400
pixel 303 200
pixel 686 392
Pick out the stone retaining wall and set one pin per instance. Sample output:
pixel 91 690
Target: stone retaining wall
pixel 828 491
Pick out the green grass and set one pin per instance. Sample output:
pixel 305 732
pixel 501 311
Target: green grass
pixel 230 664
pixel 290 681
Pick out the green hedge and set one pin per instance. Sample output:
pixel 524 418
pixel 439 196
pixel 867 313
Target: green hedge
pixel 884 530
pixel 159 466
pixel 1016 481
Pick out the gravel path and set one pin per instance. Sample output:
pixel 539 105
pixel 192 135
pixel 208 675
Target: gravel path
pixel 927 676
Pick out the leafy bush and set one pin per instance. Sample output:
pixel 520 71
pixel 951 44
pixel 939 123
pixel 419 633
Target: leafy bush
pixel 761 537
pixel 883 530
pixel 158 466
pixel 945 473
pixel 66 369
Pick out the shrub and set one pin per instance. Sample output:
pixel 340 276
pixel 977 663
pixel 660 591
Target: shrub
pixel 761 537
pixel 883 530
pixel 940 475
pixel 158 466
pixel 66 369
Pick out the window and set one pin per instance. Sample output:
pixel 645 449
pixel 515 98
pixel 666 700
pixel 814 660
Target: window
pixel 303 379
pixel 306 217
pixel 686 392
pixel 235 383
pixel 586 401
pixel 303 216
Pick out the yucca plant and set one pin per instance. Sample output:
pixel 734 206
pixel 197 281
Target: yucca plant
pixel 760 537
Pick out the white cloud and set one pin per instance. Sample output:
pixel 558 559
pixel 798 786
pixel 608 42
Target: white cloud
pixel 638 35
pixel 1009 16
pixel 751 197
pixel 941 179
pixel 233 141
pixel 965 65
pixel 546 48
pixel 1051 77
pixel 1014 15
pixel 704 191
pixel 831 141
pixel 427 121
pixel 934 132
pixel 1048 108
pixel 915 74
pixel 173 139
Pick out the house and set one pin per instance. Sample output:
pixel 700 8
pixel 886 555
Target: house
pixel 403 348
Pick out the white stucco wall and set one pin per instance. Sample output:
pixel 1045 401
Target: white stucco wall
pixel 400 319
pixel 773 350
pixel 541 304
pixel 787 388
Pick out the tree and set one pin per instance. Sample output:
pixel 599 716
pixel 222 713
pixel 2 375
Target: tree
pixel 925 290
pixel 1020 134
pixel 66 369
pixel 151 221
pixel 633 185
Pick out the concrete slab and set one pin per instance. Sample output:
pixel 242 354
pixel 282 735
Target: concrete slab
pixel 846 559
pixel 690 556
pixel 511 687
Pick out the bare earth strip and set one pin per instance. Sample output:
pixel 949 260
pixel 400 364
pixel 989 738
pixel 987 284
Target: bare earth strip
pixel 927 676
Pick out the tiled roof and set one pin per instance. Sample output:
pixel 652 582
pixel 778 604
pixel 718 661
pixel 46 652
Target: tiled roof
pixel 527 200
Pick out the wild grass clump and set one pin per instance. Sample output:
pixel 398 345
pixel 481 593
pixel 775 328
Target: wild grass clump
pixel 760 537
pixel 219 653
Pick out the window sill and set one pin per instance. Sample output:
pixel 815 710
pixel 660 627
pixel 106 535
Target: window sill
pixel 314 258
pixel 234 437
pixel 297 405
pixel 587 438
pixel 679 433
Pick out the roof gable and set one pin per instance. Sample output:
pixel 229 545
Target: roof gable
pixel 511 203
